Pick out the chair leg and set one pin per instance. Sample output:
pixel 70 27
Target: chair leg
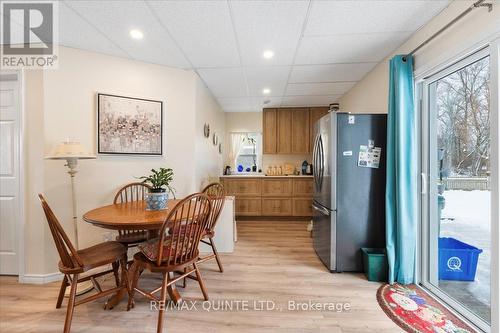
pixel 184 281
pixel 71 304
pixel 60 298
pixel 115 273
pixel 134 269
pixel 162 304
pixel 214 249
pixel 200 281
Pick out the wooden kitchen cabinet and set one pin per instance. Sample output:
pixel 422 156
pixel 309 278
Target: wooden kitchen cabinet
pixel 314 115
pixel 243 187
pixel 248 206
pixel 303 187
pixel 276 187
pixel 271 196
pixel 302 207
pixel 300 130
pixel 269 131
pixel 276 206
pixel 284 134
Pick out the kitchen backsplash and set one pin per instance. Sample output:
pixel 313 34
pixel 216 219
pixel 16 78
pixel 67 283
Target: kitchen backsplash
pixel 279 160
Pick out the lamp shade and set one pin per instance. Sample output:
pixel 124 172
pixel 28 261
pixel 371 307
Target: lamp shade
pixel 70 149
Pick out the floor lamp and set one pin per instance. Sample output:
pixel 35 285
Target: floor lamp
pixel 72 152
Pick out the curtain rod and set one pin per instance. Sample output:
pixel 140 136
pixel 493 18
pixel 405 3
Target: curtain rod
pixel 475 5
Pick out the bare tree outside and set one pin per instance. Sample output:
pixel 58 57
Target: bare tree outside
pixel 463 106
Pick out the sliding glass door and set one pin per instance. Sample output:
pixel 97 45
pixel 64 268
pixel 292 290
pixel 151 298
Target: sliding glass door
pixel 456 174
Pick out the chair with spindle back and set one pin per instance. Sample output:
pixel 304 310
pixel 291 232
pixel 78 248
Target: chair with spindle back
pixel 216 194
pixel 175 250
pixel 74 262
pixel 128 193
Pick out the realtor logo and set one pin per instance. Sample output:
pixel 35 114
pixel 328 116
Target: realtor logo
pixel 29 34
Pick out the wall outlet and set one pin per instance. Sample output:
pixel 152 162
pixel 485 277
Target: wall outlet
pixel 107 236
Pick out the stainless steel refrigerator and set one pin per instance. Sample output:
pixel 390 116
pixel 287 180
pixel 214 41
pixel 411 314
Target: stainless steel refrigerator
pixel 349 188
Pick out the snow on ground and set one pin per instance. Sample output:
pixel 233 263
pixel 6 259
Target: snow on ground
pixel 466 217
pixel 468 207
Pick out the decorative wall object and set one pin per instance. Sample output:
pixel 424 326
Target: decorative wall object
pixel 206 130
pixel 215 139
pixel 127 125
pixel 220 148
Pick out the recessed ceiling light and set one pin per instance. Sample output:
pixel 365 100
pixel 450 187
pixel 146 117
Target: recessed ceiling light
pixel 136 34
pixel 266 91
pixel 268 54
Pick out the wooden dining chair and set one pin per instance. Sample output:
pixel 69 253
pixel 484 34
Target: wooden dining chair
pixel 74 262
pixel 128 193
pixel 176 250
pixel 216 194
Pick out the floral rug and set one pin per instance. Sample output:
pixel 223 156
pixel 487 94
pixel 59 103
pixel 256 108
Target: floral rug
pixel 416 312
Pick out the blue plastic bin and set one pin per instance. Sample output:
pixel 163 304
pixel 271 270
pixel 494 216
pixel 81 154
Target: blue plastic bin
pixel 457 260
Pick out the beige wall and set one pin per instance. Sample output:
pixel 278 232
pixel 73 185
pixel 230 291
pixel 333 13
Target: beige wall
pixel 209 162
pixel 252 122
pixel 370 94
pixel 61 104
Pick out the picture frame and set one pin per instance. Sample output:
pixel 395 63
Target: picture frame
pixel 129 125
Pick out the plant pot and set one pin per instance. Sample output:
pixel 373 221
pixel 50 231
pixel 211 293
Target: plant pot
pixel 156 200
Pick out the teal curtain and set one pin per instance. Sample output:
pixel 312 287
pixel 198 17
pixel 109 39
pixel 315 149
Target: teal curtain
pixel 401 189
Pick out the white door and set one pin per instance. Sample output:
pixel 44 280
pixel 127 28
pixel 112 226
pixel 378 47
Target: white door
pixel 10 118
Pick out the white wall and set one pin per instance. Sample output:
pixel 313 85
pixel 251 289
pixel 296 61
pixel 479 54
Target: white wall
pixel 66 107
pixel 371 93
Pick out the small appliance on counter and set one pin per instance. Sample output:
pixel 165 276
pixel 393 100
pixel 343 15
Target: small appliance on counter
pixel 306 168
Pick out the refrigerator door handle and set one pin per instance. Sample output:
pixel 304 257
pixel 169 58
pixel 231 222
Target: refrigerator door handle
pixel 322 210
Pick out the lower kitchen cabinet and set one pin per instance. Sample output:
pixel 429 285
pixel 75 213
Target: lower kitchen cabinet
pixel 271 196
pixel 248 206
pixel 276 207
pixel 302 207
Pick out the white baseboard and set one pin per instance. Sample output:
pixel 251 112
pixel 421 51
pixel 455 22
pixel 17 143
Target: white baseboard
pixel 40 278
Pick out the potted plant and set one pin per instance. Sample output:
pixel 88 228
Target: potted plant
pixel 160 181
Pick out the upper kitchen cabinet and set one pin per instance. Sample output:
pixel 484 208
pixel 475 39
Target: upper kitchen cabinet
pixel 290 130
pixel 284 144
pixel 314 115
pixel 269 128
pixel 300 131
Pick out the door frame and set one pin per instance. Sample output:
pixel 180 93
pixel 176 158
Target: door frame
pixel 489 48
pixel 21 162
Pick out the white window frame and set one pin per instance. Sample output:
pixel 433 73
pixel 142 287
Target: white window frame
pixel 491 48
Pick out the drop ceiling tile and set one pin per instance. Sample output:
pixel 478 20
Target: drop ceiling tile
pixel 348 48
pixel 203 29
pixel 75 32
pixel 225 82
pixel 330 88
pixel 236 104
pixel 343 17
pixel 258 103
pixel 262 25
pixel 116 18
pixel 271 77
pixel 330 73
pixel 309 100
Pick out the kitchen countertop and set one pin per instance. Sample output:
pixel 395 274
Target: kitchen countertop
pixel 264 176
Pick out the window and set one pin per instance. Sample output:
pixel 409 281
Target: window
pixel 249 156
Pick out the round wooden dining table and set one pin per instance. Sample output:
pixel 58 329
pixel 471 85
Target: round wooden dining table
pixel 132 216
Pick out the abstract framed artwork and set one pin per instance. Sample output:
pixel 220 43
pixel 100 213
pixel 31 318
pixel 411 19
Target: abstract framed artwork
pixel 127 125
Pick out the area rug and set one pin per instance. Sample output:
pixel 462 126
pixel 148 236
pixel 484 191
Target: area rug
pixel 416 312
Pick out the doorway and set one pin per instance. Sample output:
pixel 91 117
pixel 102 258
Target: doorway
pixel 456 205
pixel 10 173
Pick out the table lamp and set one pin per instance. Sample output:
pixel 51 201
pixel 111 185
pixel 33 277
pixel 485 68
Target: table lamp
pixel 72 151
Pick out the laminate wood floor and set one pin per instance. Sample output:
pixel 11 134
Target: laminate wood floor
pixel 273 264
